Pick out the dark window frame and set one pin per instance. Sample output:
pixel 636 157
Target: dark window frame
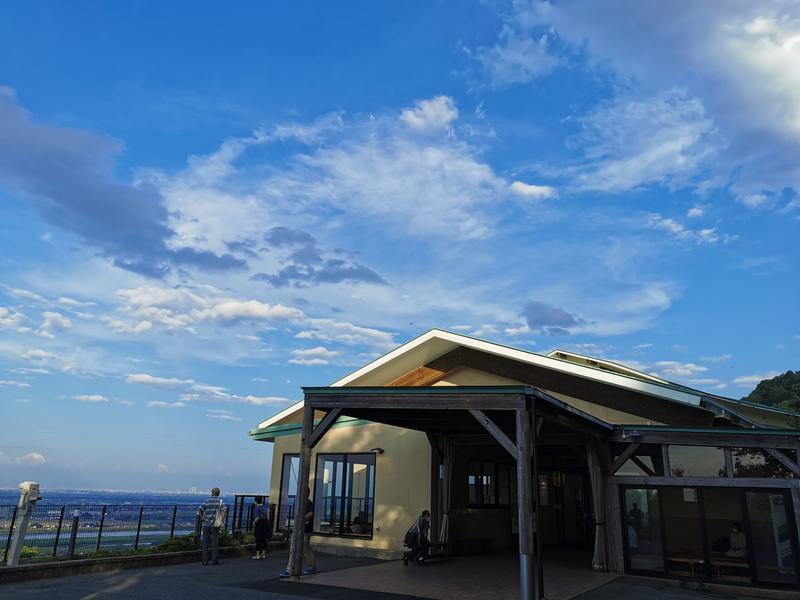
pixel 280 494
pixel 495 483
pixel 318 504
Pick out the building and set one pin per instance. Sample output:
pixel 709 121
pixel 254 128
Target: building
pixel 656 478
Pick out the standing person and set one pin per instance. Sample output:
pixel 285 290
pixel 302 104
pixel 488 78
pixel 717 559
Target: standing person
pixel 261 527
pixel 417 539
pixel 308 552
pixel 636 517
pixel 212 512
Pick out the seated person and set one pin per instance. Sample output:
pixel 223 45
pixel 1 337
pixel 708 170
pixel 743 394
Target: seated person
pixel 360 524
pixel 738 542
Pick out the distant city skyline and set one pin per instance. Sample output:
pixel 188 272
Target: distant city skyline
pixel 205 207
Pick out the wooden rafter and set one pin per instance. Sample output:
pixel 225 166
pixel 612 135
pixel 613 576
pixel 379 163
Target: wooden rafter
pixel 622 458
pixel 324 425
pixel 495 431
pixel 785 461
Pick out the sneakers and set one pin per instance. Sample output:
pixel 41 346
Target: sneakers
pixel 257 556
pixel 310 571
pixel 284 574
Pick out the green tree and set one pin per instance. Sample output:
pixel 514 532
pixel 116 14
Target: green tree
pixel 782 391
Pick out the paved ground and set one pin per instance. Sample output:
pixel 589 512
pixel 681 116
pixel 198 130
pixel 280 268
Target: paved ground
pixel 496 576
pixel 235 579
pixel 247 579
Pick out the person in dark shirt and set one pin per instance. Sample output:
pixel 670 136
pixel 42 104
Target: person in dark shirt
pixel 636 517
pixel 418 540
pixel 261 527
pixel 308 552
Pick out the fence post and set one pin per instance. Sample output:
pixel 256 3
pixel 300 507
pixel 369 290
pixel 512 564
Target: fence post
pixel 100 531
pixel 138 528
pixel 172 527
pixel 73 534
pixel 58 532
pixel 10 533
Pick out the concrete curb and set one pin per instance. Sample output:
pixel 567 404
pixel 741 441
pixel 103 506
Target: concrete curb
pixel 85 566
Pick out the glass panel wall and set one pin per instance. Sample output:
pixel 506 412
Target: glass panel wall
pixel 645 461
pixel 696 461
pixel 345 493
pixel 288 493
pixel 726 537
pixel 683 532
pixel 643 537
pixel 772 541
pixel 755 462
pixel 489 483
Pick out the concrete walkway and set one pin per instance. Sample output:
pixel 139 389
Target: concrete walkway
pixel 496 576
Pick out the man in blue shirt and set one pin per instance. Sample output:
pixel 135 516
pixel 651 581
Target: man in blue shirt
pixel 208 512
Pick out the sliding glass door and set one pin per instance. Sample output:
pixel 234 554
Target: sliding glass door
pixel 728 535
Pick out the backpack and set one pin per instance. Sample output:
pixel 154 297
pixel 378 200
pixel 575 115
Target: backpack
pixel 412 536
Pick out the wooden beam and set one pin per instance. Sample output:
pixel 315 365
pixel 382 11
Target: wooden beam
pixel 527 586
pixel 323 426
pixel 622 458
pixel 495 431
pixel 643 466
pixel 436 450
pixel 785 461
pixel 296 548
pixel 418 401
pixel 421 376
pixel 709 437
pixel 737 482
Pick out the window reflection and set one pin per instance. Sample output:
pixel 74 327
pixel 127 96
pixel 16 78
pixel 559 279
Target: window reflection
pixel 697 461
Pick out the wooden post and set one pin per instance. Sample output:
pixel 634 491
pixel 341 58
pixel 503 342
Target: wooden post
pixel 537 421
pixel 302 493
pixel 528 588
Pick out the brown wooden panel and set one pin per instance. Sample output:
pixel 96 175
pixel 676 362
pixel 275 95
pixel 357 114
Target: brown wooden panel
pixel 420 376
pixel 604 394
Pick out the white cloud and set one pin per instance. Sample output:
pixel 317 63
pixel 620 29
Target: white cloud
pixel 749 381
pixel 716 359
pixel 32 459
pixel 222 415
pixel 158 382
pixel 519 330
pixel 331 330
pixel 698 210
pixel 125 327
pixel 162 468
pixel 37 355
pixel 313 356
pixel 162 404
pixel 533 192
pixel 27 295
pixel 19 384
pixel 671 368
pixel 72 303
pixel 432 114
pixel 517 57
pixel 708 236
pixel 634 142
pixel 53 322
pixel 12 320
pixel 90 398
pixel 253 310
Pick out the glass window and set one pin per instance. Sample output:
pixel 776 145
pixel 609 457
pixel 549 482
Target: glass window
pixel 643 530
pixel 345 494
pixel 726 537
pixel 755 462
pixel 288 492
pixel 774 552
pixel 683 532
pixel 646 461
pixel 697 461
pixel 489 483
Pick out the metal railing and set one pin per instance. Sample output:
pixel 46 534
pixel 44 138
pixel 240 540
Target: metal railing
pixel 70 530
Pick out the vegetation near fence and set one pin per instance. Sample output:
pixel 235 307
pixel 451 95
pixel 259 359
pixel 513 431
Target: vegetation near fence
pixel 72 531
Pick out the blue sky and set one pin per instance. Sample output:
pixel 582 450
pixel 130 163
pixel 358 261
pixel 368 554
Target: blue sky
pixel 205 207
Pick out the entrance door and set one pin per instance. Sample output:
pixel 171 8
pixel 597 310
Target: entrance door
pixel 773 545
pixel 642 527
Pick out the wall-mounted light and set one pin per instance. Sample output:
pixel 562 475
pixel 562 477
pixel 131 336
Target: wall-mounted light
pixel 377 450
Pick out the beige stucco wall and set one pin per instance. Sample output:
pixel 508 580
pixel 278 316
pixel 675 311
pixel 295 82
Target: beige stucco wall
pixel 402 478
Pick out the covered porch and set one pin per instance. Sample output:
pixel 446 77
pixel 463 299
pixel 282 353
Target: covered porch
pixel 521 423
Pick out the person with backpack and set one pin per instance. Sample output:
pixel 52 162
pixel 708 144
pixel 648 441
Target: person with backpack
pixel 417 539
pixel 212 513
pixel 262 528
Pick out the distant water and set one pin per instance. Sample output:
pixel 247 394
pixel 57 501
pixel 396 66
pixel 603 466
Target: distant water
pixel 81 497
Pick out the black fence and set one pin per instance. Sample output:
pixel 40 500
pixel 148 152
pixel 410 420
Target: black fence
pixel 61 531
